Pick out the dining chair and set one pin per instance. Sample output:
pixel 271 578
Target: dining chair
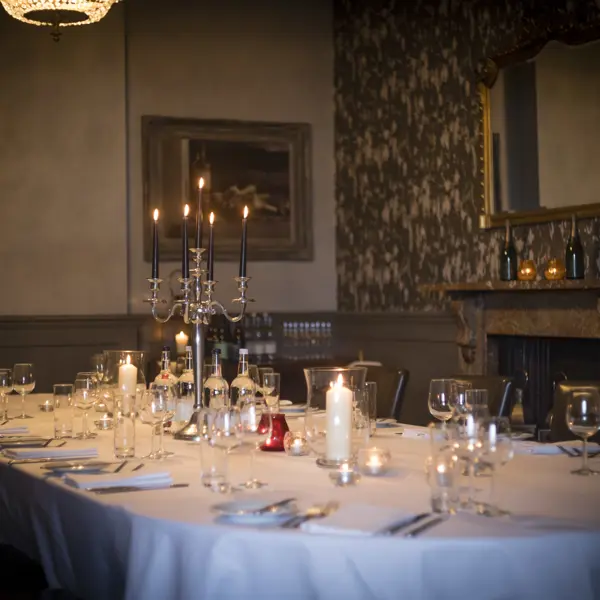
pixel 501 391
pixel 559 430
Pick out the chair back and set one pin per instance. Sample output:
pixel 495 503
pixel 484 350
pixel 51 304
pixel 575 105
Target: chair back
pixel 559 430
pixel 501 391
pixel 391 386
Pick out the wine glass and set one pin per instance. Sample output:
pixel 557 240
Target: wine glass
pixel 460 406
pixel 6 387
pixel 496 450
pixel 440 399
pixel 256 428
pixel 583 419
pixel 169 394
pixel 154 411
pixel 23 383
pixel 98 362
pixel 84 398
pixel 254 374
pixel 271 389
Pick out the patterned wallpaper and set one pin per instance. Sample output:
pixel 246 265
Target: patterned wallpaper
pixel 407 145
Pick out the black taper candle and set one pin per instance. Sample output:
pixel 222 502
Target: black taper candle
pixel 211 247
pixel 199 215
pixel 243 250
pixel 185 258
pixel 155 246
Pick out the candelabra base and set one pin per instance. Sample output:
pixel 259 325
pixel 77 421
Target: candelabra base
pixel 196 429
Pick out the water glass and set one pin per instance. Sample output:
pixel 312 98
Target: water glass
pixel 23 383
pixel 477 403
pixel 62 401
pixel 84 398
pixel 583 419
pixel 370 391
pixel 443 475
pixel 460 406
pixel 6 387
pixel 227 428
pixel 155 409
pixel 124 425
pixel 440 400
pixel 256 427
pixel 213 466
pixel 271 386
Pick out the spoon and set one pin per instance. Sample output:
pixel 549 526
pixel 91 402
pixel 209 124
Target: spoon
pixel 318 511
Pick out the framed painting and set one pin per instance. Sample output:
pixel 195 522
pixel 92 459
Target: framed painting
pixel 265 166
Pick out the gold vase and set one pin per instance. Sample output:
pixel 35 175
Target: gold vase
pixel 555 270
pixel 527 271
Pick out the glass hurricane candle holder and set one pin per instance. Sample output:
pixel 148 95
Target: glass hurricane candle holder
pixel 555 270
pixel 125 371
pixel 337 413
pixel 345 476
pixel 295 444
pixel 373 461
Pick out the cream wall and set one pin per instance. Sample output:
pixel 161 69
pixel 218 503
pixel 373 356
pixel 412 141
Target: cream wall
pixel 63 234
pixel 70 157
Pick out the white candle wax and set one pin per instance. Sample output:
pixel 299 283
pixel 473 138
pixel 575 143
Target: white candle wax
pixel 339 421
pixel 128 378
pixel 181 340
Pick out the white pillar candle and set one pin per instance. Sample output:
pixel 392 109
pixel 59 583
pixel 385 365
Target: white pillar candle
pixel 181 340
pixel 128 378
pixel 339 421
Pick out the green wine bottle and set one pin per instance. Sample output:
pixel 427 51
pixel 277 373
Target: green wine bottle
pixel 574 259
pixel 508 257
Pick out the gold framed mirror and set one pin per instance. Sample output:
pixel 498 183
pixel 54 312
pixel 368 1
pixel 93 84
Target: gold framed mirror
pixel 540 123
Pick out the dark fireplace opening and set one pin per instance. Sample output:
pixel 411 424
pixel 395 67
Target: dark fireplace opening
pixel 544 360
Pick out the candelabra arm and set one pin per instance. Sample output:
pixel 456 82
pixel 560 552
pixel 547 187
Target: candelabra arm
pixel 233 319
pixel 169 315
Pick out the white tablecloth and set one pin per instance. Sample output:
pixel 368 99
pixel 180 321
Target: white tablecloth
pixel 165 544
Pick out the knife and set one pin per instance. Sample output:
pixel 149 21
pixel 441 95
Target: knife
pixel 395 527
pixel 122 489
pixel 30 461
pixel 425 526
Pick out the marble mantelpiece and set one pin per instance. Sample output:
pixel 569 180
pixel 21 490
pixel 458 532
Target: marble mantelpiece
pixel 561 309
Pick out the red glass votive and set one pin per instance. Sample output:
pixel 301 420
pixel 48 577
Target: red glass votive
pixel 280 428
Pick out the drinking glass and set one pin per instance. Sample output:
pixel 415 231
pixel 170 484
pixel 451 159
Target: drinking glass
pixel 442 475
pixel 440 399
pixel 496 450
pixel 371 399
pixel 476 401
pixel 84 399
pixel 23 383
pixel 169 395
pixel 459 403
pixel 227 428
pixel 154 411
pixel 464 437
pixel 124 425
pixel 6 387
pixel 254 374
pixel 583 419
pixel 62 396
pixel 256 428
pixel 271 389
pixel 98 363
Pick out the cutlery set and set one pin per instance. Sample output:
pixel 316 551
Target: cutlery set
pixel 574 452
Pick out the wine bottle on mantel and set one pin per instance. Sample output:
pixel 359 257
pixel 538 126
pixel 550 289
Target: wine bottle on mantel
pixel 574 260
pixel 508 257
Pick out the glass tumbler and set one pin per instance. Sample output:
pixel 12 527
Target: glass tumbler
pixel 443 473
pixel 124 425
pixel 371 399
pixel 63 410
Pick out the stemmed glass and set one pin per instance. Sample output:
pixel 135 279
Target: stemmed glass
pixel 169 394
pixel 460 406
pixel 23 383
pixel 440 401
pixel 261 376
pixel 154 412
pixel 254 374
pixel 583 419
pixel 84 398
pixel 496 450
pixel 256 428
pixel 6 387
pixel 271 384
pixel 99 366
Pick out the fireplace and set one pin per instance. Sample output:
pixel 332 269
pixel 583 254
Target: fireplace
pixel 547 329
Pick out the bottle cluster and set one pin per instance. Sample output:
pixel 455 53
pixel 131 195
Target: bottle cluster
pixel 304 340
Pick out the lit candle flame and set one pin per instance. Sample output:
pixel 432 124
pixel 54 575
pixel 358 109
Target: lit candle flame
pixel 156 214
pixel 245 212
pixel 201 183
pixel 186 210
pixel 211 218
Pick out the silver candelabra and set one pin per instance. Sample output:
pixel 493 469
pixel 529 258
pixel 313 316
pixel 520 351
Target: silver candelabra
pixel 197 307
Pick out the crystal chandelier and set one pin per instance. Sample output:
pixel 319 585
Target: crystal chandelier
pixel 58 13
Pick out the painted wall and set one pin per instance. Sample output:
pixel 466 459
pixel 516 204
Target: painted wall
pixel 62 170
pixel 70 151
pixel 408 129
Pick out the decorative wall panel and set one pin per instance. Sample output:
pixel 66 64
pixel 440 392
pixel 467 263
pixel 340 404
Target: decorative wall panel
pixel 407 120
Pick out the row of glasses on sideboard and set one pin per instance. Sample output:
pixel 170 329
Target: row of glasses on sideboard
pixel 468 435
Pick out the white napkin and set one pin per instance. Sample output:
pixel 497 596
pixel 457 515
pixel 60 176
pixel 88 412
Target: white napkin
pixel 14 430
pixel 527 447
pixel 357 519
pixel 66 453
pixel 144 481
pixel 415 432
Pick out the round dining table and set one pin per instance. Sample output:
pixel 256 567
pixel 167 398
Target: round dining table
pixel 170 544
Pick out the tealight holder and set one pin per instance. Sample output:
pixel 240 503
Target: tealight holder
pixel 527 271
pixel 104 423
pixel 345 476
pixel 373 461
pixel 296 444
pixel 555 270
pixel 47 405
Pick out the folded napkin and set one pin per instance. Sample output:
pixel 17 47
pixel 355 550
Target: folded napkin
pixel 145 481
pixel 415 432
pixel 14 430
pixel 358 519
pixel 527 447
pixel 66 453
